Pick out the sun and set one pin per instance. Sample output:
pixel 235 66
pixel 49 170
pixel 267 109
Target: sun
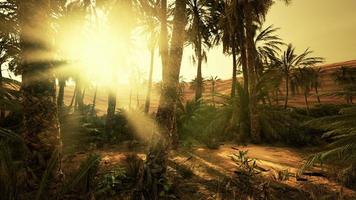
pixel 96 54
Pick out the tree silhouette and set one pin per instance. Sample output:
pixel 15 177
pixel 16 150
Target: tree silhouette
pixel 199 36
pixel 38 85
pixel 290 60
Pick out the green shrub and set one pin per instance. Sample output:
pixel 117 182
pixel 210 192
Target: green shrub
pixel 204 123
pixel 285 126
pixel 322 110
pixel 95 127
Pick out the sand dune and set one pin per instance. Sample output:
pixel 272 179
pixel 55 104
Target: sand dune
pixel 223 87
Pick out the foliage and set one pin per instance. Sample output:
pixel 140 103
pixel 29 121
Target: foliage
pixel 345 77
pixel 341 130
pixel 47 176
pixel 82 180
pixel 285 126
pixel 245 165
pixel 8 173
pixel 204 122
pixel 322 110
pixel 111 182
pixel 95 126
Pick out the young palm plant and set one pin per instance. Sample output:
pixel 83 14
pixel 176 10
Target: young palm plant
pixel 341 130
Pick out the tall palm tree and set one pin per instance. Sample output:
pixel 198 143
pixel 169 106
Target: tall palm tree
pixel 38 84
pixel 254 12
pixel 157 157
pixel 290 60
pixel 121 10
pixel 150 26
pixel 199 35
pixel 231 34
pixel 166 108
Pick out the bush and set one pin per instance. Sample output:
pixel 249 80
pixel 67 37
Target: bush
pixel 203 123
pixel 95 126
pixel 322 110
pixel 286 126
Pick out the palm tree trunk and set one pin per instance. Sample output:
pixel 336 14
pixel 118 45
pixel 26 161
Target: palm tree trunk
pixel 242 38
pixel 269 99
pixel 149 88
pixel 60 98
pixel 94 100
pixel 41 134
pixel 110 114
pixel 83 96
pixel 2 106
pixel 306 102
pixel 167 107
pixel 199 88
pixel 156 163
pixel 137 100
pixel 130 99
pixel 287 92
pixel 78 97
pixel 234 69
pixel 74 95
pixel 254 117
pixel 213 92
pixel 317 94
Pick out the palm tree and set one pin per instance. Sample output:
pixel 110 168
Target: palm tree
pixel 199 35
pixel 119 10
pixel 38 85
pixel 232 35
pixel 302 78
pixel 94 100
pixel 267 48
pixel 157 157
pixel 150 26
pixel 240 19
pixel 194 84
pixel 152 47
pixel 346 78
pixel 166 108
pixel 213 80
pixel 290 60
pixel 316 81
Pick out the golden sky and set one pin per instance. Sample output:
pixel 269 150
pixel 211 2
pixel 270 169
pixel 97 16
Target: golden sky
pixel 328 27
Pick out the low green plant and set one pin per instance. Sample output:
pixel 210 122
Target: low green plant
pixel 111 182
pixel 245 165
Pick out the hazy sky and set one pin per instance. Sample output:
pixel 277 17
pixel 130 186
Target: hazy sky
pixel 328 27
